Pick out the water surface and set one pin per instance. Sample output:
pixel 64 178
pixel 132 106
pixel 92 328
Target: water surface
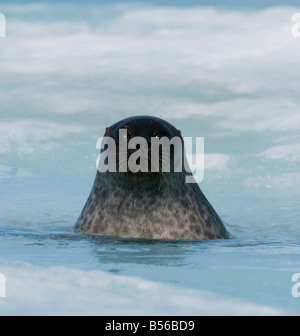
pixel 229 75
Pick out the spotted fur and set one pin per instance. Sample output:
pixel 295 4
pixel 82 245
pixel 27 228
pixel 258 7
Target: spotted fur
pixel 149 205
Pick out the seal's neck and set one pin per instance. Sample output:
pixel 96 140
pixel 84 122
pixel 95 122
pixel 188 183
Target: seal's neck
pixel 136 183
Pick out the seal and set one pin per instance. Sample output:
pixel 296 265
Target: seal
pixel 147 204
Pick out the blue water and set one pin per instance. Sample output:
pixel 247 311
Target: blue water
pixel 228 75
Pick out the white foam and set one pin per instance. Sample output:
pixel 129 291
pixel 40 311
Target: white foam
pixel 140 57
pixel 285 181
pixel 287 152
pixel 216 165
pixel 66 291
pixel 7 172
pixel 217 161
pixel 27 135
pixel 197 35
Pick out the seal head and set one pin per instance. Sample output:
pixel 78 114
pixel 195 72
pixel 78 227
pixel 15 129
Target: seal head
pixel 144 203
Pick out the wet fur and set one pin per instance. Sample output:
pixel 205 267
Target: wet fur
pixel 149 205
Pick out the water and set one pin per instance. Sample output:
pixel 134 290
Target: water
pixel 230 75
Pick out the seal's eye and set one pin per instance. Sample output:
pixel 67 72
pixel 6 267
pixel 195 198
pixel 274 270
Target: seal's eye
pixel 160 133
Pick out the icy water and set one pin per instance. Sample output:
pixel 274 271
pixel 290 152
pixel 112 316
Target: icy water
pixel 230 75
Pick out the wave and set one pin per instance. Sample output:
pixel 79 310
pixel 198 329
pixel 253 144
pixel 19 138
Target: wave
pixel 67 291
